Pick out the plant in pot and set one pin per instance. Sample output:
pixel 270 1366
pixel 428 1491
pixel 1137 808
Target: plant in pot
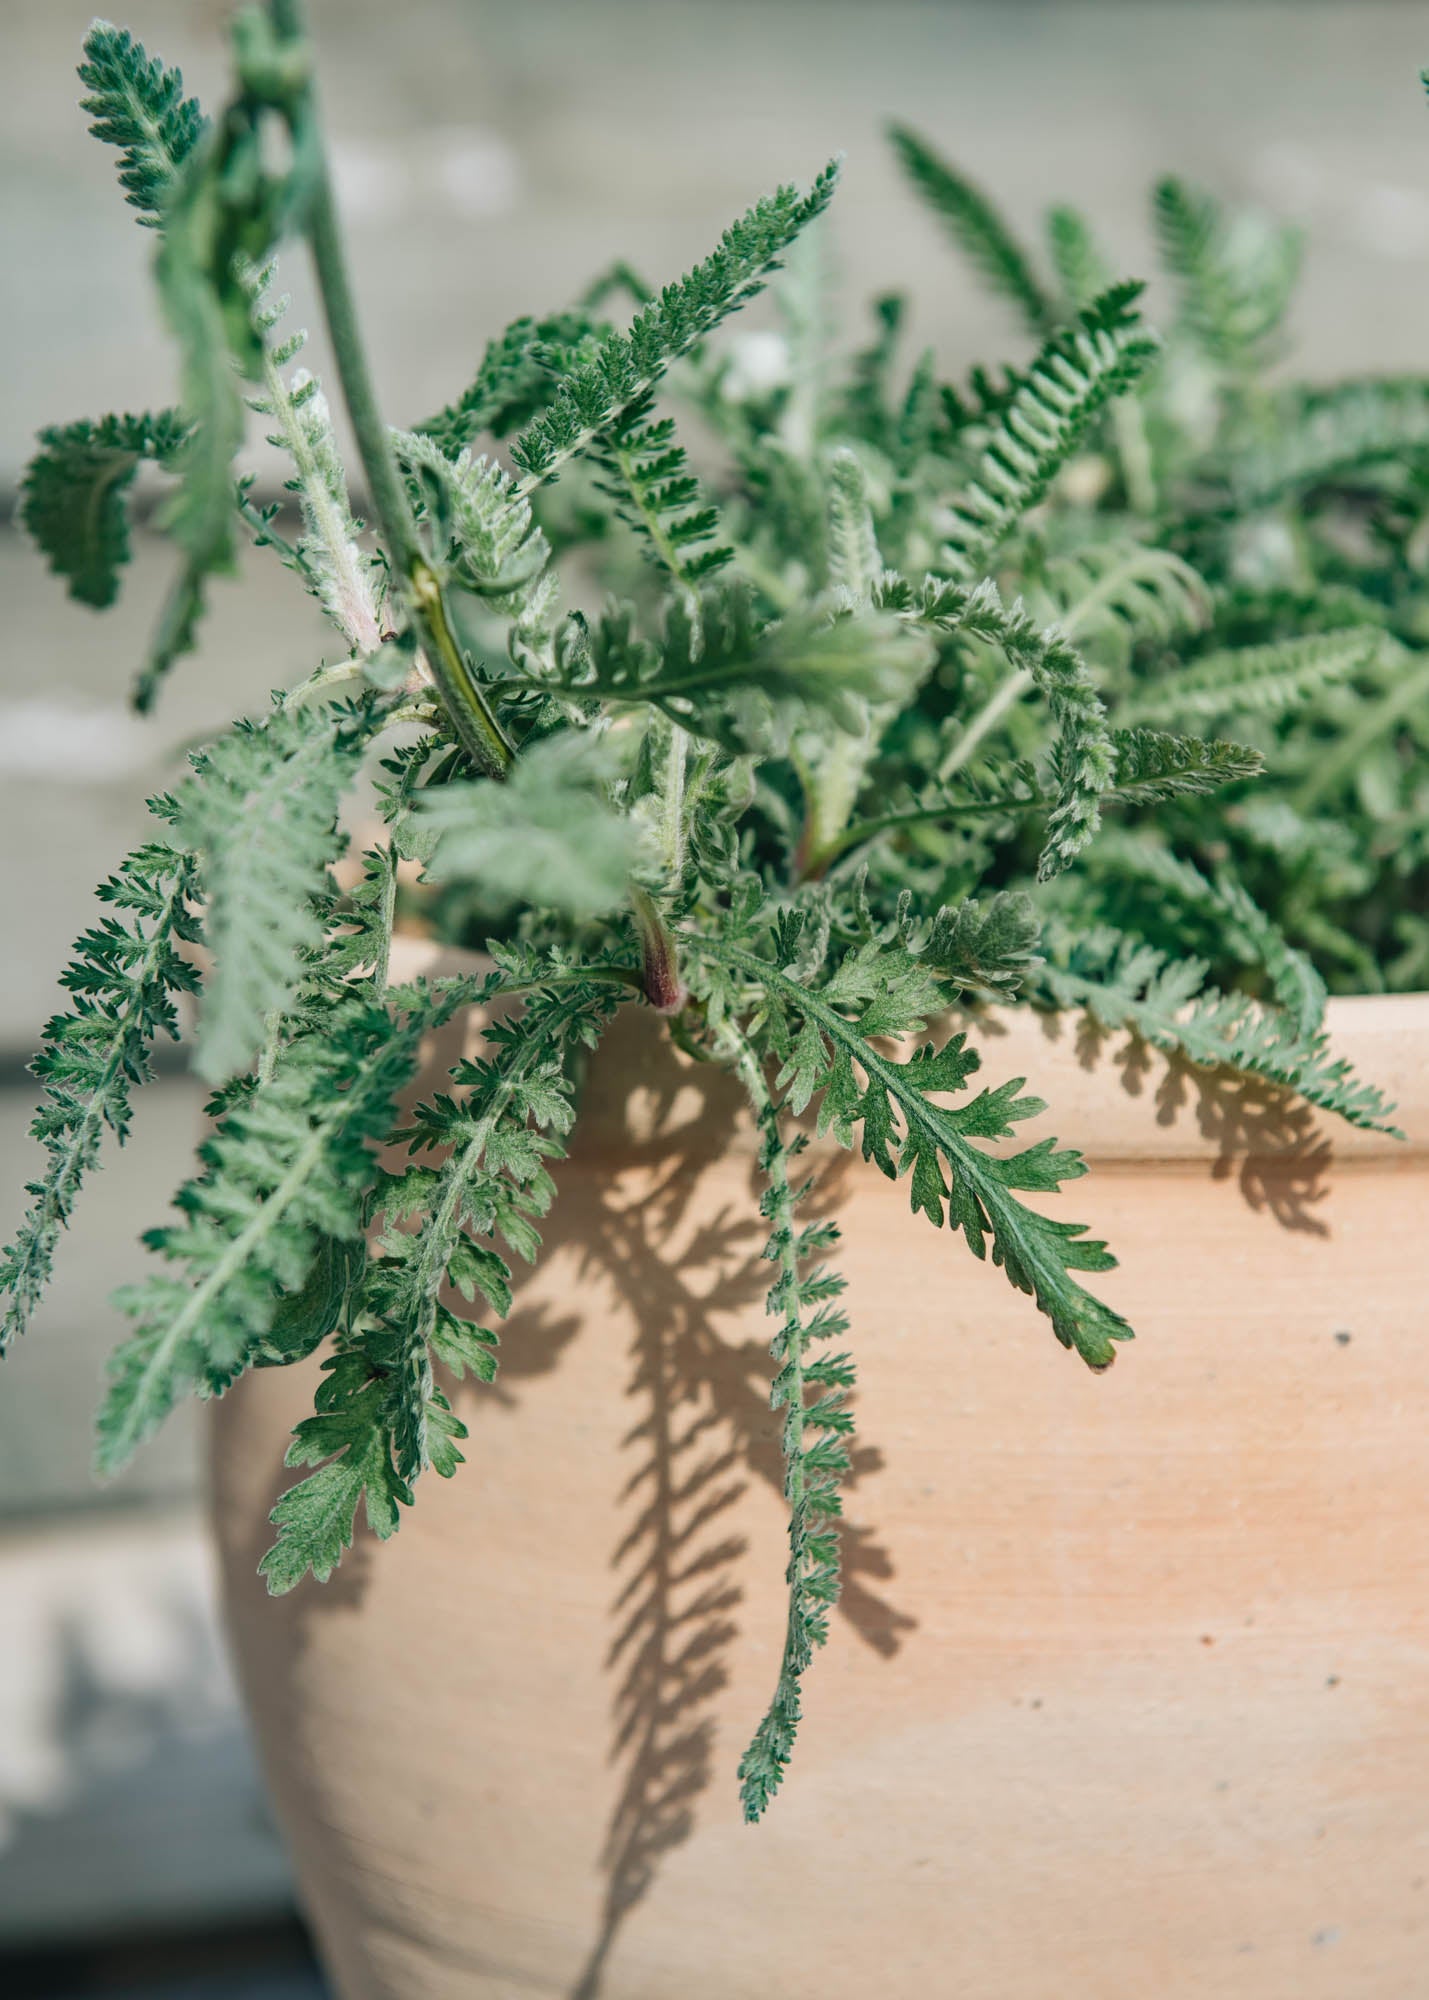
pixel 1096 685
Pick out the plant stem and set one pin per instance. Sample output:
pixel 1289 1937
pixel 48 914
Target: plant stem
pixel 660 966
pixel 475 723
pixel 987 718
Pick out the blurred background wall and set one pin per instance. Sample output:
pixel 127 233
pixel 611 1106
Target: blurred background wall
pixel 492 157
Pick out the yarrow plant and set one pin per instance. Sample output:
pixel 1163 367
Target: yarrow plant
pixel 1096 683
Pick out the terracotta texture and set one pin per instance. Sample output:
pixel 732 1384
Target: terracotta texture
pixel 1128 1693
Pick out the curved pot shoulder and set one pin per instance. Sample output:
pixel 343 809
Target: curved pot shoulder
pixel 1123 1690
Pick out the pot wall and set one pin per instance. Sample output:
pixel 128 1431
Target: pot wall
pixel 1128 1690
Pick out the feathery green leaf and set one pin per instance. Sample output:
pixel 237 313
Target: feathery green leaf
pixel 74 493
pixel 123 977
pixel 977 228
pixel 598 390
pixel 138 105
pixel 261 814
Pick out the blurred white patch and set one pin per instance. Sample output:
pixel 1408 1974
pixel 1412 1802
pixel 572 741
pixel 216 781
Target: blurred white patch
pixel 65 744
pixel 759 361
pixel 371 179
pixel 1394 221
pixel 455 170
pixel 477 173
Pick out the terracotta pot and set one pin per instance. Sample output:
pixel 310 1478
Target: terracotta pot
pixel 1127 1694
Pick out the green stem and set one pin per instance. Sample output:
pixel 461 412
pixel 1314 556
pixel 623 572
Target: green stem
pixel 475 723
pixel 1133 449
pixel 381 966
pixel 865 829
pixel 340 674
pixel 987 718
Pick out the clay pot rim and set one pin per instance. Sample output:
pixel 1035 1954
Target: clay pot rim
pixel 1384 1037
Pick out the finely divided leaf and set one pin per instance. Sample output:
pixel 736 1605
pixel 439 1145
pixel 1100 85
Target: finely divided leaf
pixel 597 390
pixel 1079 370
pixel 285 1170
pixel 124 978
pixel 74 493
pixel 1152 765
pixel 977 228
pixel 261 814
pixel 1266 679
pixel 906 1131
pixel 546 835
pixel 138 105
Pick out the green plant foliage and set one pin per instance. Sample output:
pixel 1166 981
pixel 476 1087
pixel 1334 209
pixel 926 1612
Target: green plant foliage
pixel 1234 284
pixel 1265 679
pixel 481 527
pixel 597 391
pixel 285 1168
pixel 74 495
pixel 381 1419
pixel 980 232
pixel 647 475
pixel 260 814
pixel 513 382
pixel 138 105
pixel 547 837
pixel 1077 372
pixel 1125 984
pixel 329 557
pixel 812 1389
pixel 123 979
pixel 1099 683
pixel 716 669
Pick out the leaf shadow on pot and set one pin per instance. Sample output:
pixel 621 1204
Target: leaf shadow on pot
pixel 687 1273
pixel 1266 1140
pixel 704 1432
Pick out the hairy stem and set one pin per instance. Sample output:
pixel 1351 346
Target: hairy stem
pixel 660 982
pixel 474 721
pixel 350 598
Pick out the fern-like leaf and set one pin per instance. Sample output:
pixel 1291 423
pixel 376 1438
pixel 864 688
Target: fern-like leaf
pixel 513 382
pixel 329 556
pixel 123 977
pixel 546 837
pixel 1077 372
pixel 1152 764
pixel 904 1131
pixel 1085 758
pixel 598 390
pixel 1233 293
pixel 977 228
pixel 1124 983
pixel 381 1420
pixel 138 105
pixel 285 1170
pixel 645 471
pixel 720 672
pixel 812 1389
pixel 261 814
pixel 1265 680
pixel 74 494
pixel 1126 590
pixel 1320 435
pixel 1076 258
pixel 483 536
